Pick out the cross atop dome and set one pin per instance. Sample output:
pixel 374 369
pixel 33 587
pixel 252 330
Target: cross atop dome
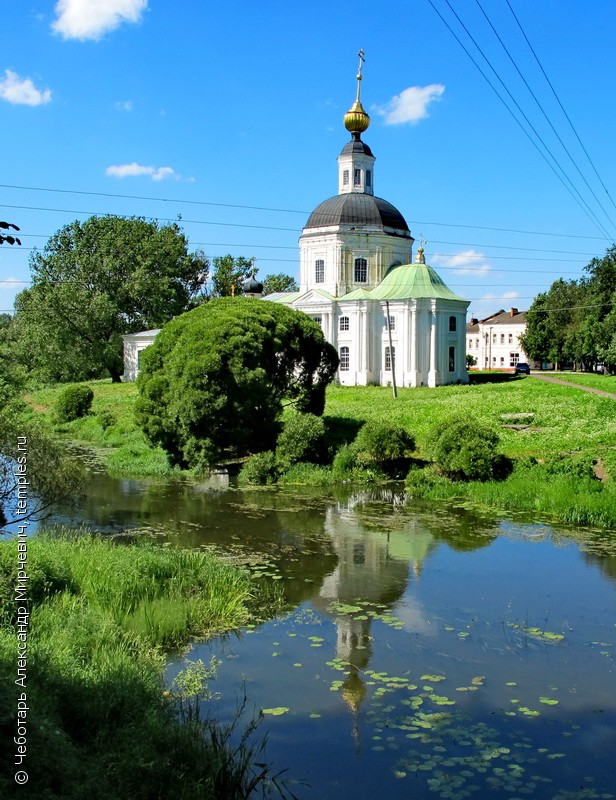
pixel 356 121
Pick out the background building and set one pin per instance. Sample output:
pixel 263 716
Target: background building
pixel 494 342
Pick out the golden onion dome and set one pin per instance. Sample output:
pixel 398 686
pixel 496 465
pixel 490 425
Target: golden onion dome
pixel 356 120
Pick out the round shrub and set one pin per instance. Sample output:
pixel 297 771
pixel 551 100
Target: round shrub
pixel 345 460
pixel 73 402
pixel 379 441
pixel 260 468
pixel 302 439
pixel 466 450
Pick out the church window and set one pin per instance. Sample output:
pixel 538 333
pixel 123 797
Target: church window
pixel 319 271
pixel 344 324
pixel 368 177
pixel 361 270
pixel 392 323
pixel 318 320
pixel 356 177
pixel 452 324
pixel 390 356
pixel 345 177
pixel 344 359
pixel 452 359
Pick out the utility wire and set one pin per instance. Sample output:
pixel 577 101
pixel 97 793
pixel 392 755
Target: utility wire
pixel 560 104
pixel 548 120
pixel 588 212
pixel 281 210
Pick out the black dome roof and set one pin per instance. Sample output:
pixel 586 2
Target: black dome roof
pixel 357 208
pixel 356 146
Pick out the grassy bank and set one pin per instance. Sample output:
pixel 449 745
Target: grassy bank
pixel 563 421
pixel 100 724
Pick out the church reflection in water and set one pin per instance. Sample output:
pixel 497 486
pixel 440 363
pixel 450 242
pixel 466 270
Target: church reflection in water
pixel 375 566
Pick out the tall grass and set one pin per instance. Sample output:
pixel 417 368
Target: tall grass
pixel 101 724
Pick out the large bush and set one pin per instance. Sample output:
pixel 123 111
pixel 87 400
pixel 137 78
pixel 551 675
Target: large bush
pixel 73 402
pixel 214 381
pixel 381 442
pixel 464 449
pixel 302 439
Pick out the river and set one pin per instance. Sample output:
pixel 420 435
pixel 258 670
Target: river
pixel 425 651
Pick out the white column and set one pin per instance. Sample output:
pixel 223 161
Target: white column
pixel 413 345
pixel 432 373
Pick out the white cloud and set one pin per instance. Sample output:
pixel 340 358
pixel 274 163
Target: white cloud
pixel 22 91
pixel 504 296
pixel 91 19
pixel 410 105
pixel 135 170
pixel 468 262
pixel 124 105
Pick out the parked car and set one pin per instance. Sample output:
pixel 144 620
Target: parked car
pixel 522 368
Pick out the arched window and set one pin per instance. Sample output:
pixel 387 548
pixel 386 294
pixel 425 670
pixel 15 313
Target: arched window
pixel 356 177
pixel 452 324
pixel 343 324
pixel 452 359
pixel 368 177
pixel 344 359
pixel 390 357
pixel 345 177
pixel 319 271
pixel 361 270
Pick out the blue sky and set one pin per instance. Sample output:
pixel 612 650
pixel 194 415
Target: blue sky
pixel 158 109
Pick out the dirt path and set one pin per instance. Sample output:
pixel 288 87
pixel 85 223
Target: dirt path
pixel 550 379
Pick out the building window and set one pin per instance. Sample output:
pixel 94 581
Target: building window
pixel 361 270
pixel 319 271
pixel 345 177
pixel 493 338
pixel 477 343
pixel 493 361
pixel 356 177
pixel 502 362
pixel 510 338
pixel 470 344
pixel 359 553
pixel 344 359
pixel 368 177
pixel 513 359
pixel 452 359
pixel 502 338
pixel 452 324
pixel 390 355
pixel 392 323
pixel 318 320
pixel 343 324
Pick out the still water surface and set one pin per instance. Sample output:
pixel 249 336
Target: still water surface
pixel 426 652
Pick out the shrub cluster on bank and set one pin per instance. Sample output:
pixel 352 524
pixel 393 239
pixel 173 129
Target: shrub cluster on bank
pixel 101 724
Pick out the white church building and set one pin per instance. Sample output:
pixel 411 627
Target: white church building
pixel 390 319
pixel 381 311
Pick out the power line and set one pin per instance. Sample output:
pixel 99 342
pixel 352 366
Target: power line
pixel 588 212
pixel 264 208
pixel 559 103
pixel 549 121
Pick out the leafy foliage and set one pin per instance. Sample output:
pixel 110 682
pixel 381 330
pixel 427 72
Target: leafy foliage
pixel 260 469
pixel 465 449
pixel 302 439
pixel 574 322
pixel 95 281
pixel 228 275
pixel 380 441
pixel 73 402
pixel 215 379
pixel 279 283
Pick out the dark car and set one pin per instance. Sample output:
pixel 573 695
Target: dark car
pixel 522 368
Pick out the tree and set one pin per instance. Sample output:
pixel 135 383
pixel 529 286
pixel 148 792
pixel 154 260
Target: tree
pixel 279 283
pixel 214 381
pixel 95 281
pixel 229 273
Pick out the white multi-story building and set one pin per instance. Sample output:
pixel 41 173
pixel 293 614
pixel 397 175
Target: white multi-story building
pixel 494 342
pixel 387 316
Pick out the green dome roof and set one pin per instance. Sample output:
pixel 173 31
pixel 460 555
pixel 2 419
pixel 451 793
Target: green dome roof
pixel 407 282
